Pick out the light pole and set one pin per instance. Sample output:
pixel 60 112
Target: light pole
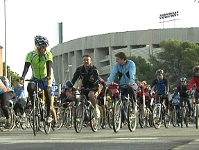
pixel 5 69
pixel 168 15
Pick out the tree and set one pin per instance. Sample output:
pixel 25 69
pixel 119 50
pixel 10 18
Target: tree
pixel 144 70
pixel 177 59
pixel 11 74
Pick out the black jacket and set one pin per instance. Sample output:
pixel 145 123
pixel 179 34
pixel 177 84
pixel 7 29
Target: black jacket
pixel 182 91
pixel 88 79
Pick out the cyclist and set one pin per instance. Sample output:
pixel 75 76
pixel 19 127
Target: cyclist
pixel 184 96
pixel 89 76
pixel 145 98
pixel 101 99
pixel 40 61
pixel 194 82
pixel 126 70
pixel 4 97
pixel 20 98
pixel 162 87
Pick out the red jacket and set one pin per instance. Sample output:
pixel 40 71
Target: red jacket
pixel 194 80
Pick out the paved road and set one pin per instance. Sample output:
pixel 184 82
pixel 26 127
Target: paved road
pixel 105 139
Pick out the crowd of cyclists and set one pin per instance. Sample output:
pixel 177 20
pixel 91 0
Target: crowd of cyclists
pixel 141 94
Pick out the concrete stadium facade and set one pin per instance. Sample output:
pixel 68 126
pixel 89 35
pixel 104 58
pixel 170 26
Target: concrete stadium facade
pixel 102 48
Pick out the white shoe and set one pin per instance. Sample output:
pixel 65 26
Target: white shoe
pixel 24 115
pixel 97 112
pixel 49 119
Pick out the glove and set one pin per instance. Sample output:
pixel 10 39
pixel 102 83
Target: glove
pixel 188 91
pixel 107 84
pixel 131 83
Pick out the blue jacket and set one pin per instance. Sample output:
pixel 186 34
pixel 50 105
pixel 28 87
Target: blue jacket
pixel 19 92
pixel 162 86
pixel 126 72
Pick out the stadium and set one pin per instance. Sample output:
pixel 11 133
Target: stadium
pixel 102 48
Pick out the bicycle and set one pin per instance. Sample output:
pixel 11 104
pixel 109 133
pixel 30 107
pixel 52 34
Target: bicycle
pixel 196 113
pixel 145 116
pixel 159 113
pixel 124 111
pixel 175 117
pixel 184 113
pixel 3 118
pixel 68 99
pixel 21 120
pixel 38 110
pixel 84 113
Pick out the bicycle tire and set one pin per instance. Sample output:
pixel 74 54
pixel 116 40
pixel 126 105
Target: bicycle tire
pixel 59 118
pixel 197 116
pixel 131 118
pixel 157 118
pixel 79 116
pixel 117 116
pixel 110 117
pixel 142 120
pixel 94 122
pixel 182 117
pixel 67 118
pixel 174 117
pixel 167 120
pixel 35 118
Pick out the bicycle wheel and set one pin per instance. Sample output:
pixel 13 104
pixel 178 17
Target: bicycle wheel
pixel 142 119
pixel 197 115
pixel 131 118
pixel 167 119
pixel 117 117
pixel 186 119
pixel 157 118
pixel 110 117
pixel 94 122
pixel 13 119
pixel 47 125
pixel 35 118
pixel 174 117
pixel 67 117
pixel 59 118
pixel 182 116
pixel 149 118
pixel 79 116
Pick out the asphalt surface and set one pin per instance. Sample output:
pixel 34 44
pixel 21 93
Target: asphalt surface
pixel 174 138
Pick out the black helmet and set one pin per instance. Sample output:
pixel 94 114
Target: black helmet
pixel 182 79
pixel 159 71
pixel 69 84
pixel 196 69
pixel 41 41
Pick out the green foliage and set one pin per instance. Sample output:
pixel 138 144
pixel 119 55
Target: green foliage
pixel 11 74
pixel 177 59
pixel 144 70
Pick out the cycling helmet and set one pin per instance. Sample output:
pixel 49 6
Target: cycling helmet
pixel 159 71
pixel 144 82
pixel 196 69
pixel 69 84
pixel 182 79
pixel 41 41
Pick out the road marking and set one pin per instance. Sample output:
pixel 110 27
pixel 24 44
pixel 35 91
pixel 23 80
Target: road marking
pixel 136 138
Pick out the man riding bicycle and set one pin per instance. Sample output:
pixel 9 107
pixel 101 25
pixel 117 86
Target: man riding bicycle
pixel 40 61
pixel 126 70
pixel 89 76
pixel 194 81
pixel 184 96
pixel 161 85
